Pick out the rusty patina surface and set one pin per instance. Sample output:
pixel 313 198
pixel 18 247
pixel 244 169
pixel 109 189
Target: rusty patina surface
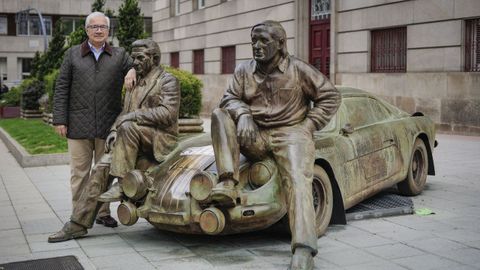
pixel 360 157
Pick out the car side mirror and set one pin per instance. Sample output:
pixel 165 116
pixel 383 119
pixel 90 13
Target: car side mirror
pixel 347 129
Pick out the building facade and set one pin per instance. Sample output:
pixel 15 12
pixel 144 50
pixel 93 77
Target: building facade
pixel 20 38
pixel 421 55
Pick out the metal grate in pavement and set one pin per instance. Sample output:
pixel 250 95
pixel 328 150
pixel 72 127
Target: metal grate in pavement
pixel 58 263
pixel 383 204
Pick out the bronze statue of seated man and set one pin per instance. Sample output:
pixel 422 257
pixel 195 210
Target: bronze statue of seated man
pixel 266 112
pixel 147 126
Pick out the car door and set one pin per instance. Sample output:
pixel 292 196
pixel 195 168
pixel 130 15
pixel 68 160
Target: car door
pixel 375 144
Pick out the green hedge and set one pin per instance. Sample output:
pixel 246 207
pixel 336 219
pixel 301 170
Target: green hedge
pixel 11 98
pixel 191 92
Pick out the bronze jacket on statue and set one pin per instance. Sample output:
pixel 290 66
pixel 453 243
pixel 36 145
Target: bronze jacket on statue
pixel 283 97
pixel 88 92
pixel 155 103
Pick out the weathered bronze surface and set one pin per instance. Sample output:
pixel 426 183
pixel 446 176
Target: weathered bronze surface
pixel 341 178
pixel 265 113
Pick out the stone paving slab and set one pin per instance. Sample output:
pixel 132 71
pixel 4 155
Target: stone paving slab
pixel 36 201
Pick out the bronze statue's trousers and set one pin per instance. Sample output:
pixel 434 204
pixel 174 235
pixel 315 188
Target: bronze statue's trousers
pixel 293 149
pixel 131 138
pixel 87 206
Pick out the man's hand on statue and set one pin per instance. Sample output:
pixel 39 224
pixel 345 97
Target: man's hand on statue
pixel 61 130
pixel 124 118
pixel 130 79
pixel 247 130
pixel 111 139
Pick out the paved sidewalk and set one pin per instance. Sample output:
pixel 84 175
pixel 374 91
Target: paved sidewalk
pixel 35 202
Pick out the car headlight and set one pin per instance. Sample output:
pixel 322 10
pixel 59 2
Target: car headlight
pixel 201 185
pixel 134 185
pixel 260 173
pixel 127 213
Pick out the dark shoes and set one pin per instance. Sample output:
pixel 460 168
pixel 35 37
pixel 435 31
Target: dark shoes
pixel 302 259
pixel 114 194
pixel 225 193
pixel 107 221
pixel 69 231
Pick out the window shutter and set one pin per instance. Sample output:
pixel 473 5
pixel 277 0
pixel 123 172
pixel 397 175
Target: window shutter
pixel 198 62
pixel 472 45
pixel 389 50
pixel 175 59
pixel 228 59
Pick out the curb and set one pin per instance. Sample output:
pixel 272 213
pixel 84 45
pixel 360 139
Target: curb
pixel 27 160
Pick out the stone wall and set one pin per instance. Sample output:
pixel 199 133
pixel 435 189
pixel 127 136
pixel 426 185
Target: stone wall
pixel 214 87
pixel 451 99
pixel 434 81
pixel 215 26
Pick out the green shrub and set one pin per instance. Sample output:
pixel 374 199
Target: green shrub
pixel 50 80
pixel 32 90
pixel 11 98
pixel 191 92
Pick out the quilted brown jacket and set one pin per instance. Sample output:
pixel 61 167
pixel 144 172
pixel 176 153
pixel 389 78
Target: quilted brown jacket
pixel 88 92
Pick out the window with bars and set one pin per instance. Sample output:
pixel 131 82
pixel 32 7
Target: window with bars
pixel 472 45
pixel 228 59
pixel 389 50
pixel 198 61
pixel 175 59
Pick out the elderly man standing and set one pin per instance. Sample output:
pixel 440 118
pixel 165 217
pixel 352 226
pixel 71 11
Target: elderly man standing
pixel 147 126
pixel 88 99
pixel 266 111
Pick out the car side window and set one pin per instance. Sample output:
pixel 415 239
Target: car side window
pixel 361 111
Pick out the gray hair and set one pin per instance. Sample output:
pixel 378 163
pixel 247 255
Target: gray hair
pixel 96 14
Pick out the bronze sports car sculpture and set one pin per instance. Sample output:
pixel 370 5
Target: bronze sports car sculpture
pixel 368 146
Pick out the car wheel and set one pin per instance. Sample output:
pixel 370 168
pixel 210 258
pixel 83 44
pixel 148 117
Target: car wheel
pixel 417 171
pixel 322 199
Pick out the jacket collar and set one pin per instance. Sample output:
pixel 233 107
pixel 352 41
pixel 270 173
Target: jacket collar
pixel 150 82
pixel 85 49
pixel 281 66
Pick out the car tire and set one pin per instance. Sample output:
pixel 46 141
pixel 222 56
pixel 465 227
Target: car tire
pixel 417 171
pixel 322 199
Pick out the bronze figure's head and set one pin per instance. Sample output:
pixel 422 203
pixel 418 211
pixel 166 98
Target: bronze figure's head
pixel 146 55
pixel 269 40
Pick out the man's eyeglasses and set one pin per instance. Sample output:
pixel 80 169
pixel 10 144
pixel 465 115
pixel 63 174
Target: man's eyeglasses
pixel 95 27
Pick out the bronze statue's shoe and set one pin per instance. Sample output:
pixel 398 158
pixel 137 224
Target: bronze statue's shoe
pixel 302 259
pixel 69 231
pixel 225 193
pixel 114 194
